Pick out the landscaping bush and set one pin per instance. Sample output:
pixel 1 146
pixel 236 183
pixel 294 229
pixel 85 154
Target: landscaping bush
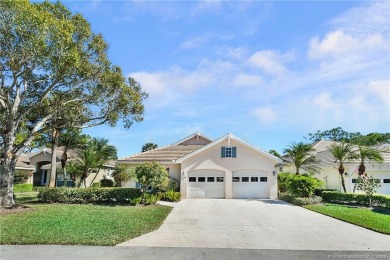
pixel 174 184
pixel 284 180
pixel 339 197
pixel 288 197
pixel 21 177
pixel 39 188
pixel 171 196
pixel 106 183
pixel 151 199
pixel 23 187
pixel 303 186
pixel 135 201
pixel 96 185
pixel 88 195
pixel 318 192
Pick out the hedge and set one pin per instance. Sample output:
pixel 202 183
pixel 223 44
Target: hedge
pixel 23 187
pixel 88 195
pixel 339 197
pixel 299 201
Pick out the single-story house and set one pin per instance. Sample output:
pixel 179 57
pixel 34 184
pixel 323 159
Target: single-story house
pixel 39 162
pixel 225 168
pixel 329 168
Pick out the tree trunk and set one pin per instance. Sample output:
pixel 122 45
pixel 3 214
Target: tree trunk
pixel 53 170
pixel 361 171
pixel 341 171
pixel 7 172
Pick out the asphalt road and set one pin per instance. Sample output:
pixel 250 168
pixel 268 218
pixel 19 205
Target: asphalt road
pixel 43 252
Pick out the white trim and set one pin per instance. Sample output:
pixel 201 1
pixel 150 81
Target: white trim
pixel 230 136
pixel 25 168
pixel 197 134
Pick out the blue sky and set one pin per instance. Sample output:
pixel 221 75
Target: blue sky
pixel 268 72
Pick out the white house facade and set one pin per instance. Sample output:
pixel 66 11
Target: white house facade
pixel 329 168
pixel 226 168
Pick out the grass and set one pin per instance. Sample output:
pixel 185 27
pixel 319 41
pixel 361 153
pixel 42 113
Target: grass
pixel 26 197
pixel 78 224
pixel 374 219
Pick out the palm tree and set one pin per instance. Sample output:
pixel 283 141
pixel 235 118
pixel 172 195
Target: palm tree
pixel 342 152
pixel 301 157
pixel 93 156
pixel 70 139
pixel 148 147
pixel 366 153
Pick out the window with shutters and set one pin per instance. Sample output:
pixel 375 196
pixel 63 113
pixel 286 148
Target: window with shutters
pixel 228 152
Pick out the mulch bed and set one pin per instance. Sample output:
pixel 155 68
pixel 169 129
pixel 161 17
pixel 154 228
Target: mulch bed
pixel 15 209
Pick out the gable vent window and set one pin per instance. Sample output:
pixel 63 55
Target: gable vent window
pixel 228 152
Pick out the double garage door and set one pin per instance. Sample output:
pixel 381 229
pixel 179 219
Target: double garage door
pixel 211 184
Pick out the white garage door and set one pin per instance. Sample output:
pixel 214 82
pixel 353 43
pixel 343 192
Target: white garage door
pixel 206 184
pixel 250 184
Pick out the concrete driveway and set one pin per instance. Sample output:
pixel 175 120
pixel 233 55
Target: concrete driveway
pixel 257 224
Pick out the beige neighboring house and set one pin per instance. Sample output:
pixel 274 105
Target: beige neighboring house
pixel 40 164
pixel 329 168
pixel 226 168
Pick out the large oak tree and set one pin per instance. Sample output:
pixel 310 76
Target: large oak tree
pixel 54 73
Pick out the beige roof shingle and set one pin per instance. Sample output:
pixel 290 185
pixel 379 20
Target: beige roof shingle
pixel 163 154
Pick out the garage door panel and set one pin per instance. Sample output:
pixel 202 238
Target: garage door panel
pixel 206 184
pixel 250 185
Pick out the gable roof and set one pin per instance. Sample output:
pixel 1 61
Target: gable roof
pixel 170 153
pixel 231 137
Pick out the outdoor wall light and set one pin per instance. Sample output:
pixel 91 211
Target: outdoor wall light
pixel 273 173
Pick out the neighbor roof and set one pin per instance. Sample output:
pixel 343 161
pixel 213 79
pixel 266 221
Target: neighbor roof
pixel 170 153
pixel 232 137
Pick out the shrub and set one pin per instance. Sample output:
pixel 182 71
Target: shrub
pixel 151 199
pixel 174 184
pixel 318 192
pixel 307 201
pixel 135 201
pixel 88 195
pixel 285 196
pixel 21 177
pixel 339 197
pixel 303 186
pixel 96 185
pixel 23 187
pixel 298 200
pixel 121 174
pixel 39 188
pixel 284 180
pixel 106 183
pixel 171 196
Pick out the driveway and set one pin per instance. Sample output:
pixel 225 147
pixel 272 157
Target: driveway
pixel 257 224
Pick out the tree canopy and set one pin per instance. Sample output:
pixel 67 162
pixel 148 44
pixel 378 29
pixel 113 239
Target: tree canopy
pixel 55 73
pixel 149 146
pixel 302 157
pixel 338 134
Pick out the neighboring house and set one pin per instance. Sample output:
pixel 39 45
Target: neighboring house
pixel 40 163
pixel 224 168
pixel 329 168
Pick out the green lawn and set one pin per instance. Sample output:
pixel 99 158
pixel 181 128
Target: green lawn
pixel 26 197
pixel 78 224
pixel 375 219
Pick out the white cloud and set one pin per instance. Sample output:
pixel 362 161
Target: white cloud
pixel 266 115
pixel 243 79
pixel 271 62
pixel 338 43
pixel 381 89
